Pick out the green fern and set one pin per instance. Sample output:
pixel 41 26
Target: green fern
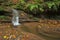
pixel 32 6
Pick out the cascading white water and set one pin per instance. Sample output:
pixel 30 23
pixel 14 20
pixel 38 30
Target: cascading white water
pixel 15 18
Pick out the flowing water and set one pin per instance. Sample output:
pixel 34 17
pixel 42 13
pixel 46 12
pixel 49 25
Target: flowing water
pixel 15 18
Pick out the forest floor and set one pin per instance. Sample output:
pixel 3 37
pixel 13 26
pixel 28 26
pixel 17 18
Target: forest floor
pixel 42 30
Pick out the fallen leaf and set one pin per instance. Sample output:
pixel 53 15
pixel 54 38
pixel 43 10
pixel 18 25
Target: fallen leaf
pixel 5 37
pixel 13 36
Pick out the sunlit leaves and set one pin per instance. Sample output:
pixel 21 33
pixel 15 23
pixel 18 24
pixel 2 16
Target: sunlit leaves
pixel 22 1
pixel 41 9
pixel 33 6
pixel 50 4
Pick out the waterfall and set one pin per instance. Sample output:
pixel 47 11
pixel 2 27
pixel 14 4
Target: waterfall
pixel 15 18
